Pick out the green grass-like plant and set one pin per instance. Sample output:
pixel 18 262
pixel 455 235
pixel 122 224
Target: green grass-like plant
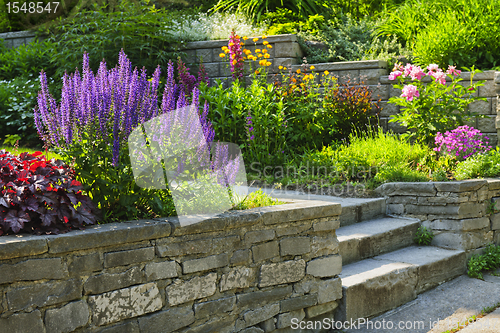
pixel 423 236
pixel 257 199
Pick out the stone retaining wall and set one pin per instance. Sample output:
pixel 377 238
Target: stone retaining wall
pixel 16 39
pixel 460 213
pixel 250 271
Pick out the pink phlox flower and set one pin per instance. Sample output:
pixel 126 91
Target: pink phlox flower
pixel 440 77
pixel 394 75
pixel 417 73
pixel 452 70
pixel 410 91
pixel 433 68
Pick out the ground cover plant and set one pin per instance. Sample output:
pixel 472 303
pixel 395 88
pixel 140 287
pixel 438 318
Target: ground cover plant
pixel 489 260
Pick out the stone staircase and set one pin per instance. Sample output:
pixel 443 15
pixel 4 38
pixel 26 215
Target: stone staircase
pixel 382 267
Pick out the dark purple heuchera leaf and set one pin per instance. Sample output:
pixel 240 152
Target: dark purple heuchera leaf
pixel 15 220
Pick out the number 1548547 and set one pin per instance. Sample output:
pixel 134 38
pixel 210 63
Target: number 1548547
pixel 32 7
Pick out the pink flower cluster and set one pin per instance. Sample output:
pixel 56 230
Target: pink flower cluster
pixel 462 142
pixel 417 73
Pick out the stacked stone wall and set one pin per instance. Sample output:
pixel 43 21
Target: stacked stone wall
pixel 250 271
pixel 16 39
pixel 463 215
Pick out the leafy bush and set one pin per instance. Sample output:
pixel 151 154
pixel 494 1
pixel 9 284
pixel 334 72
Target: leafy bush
pixel 27 59
pixel 457 32
pixel 91 126
pixel 424 236
pixel 480 165
pixel 428 108
pixel 40 196
pixel 135 29
pixel 257 199
pixel 17 101
pixel 462 142
pixel 399 172
pixel 489 260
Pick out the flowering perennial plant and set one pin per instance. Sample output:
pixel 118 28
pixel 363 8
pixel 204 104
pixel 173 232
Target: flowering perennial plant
pixel 428 108
pixel 92 123
pixel 462 142
pixel 38 196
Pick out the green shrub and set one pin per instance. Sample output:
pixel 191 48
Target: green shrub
pixel 257 199
pixel 18 98
pixel 424 236
pixel 489 260
pixel 461 32
pixel 138 30
pixel 481 165
pixel 399 172
pixel 27 59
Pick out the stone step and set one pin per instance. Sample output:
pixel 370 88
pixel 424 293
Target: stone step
pixel 354 210
pixel 370 238
pixel 373 286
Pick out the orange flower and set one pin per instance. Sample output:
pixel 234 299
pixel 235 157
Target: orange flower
pixel 312 67
pixel 266 55
pixel 298 71
pixel 265 42
pixel 269 46
pixel 260 55
pixel 264 37
pixel 264 51
pixel 255 39
pixel 222 55
pixel 257 50
pixel 245 37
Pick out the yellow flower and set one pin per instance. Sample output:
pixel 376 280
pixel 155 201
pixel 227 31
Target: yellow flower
pixel 262 62
pixel 235 62
pixel 264 51
pixel 244 58
pixel 294 86
pixel 255 39
pixel 236 36
pixel 326 72
pixel 284 68
pixel 245 37
pixel 266 55
pixel 285 93
pixel 312 67
pixel 280 67
pixel 247 51
pixel 260 55
pixel 294 80
pixel 298 71
pixel 265 42
pixel 226 50
pixel 269 46
pixel 222 55
pixel 264 37
pixel 231 44
pixel 257 50
pixel 302 85
pixel 233 56
pixel 268 63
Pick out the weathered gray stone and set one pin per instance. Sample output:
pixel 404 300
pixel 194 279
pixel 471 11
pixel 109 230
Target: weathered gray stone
pixel 265 251
pixel 241 277
pixel 124 258
pixel 462 240
pixel 240 257
pixel 398 209
pixel 293 229
pixel 198 287
pixel 33 269
pixel 252 330
pixel 259 315
pixel 287 50
pixel 324 245
pixel 460 211
pixel 167 321
pixel 212 69
pixel 295 246
pixel 325 267
pixel 87 263
pixel 125 303
pixel 206 54
pixel 495 221
pixel 107 281
pixel 320 309
pixel 259 236
pixel 285 319
pixel 226 244
pixel 256 298
pixel 22 246
pixel 282 272
pixel 161 270
pixel 45 294
pixel 217 325
pixel 410 189
pixel 326 225
pixel 459 225
pixel 129 327
pixel 329 290
pixel 67 318
pixel 460 186
pixel 22 323
pixel 403 199
pixel 109 234
pixel 372 76
pixel 205 264
pixel 268 325
pixel 300 302
pixel 184 248
pixel 220 305
pixel 298 211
